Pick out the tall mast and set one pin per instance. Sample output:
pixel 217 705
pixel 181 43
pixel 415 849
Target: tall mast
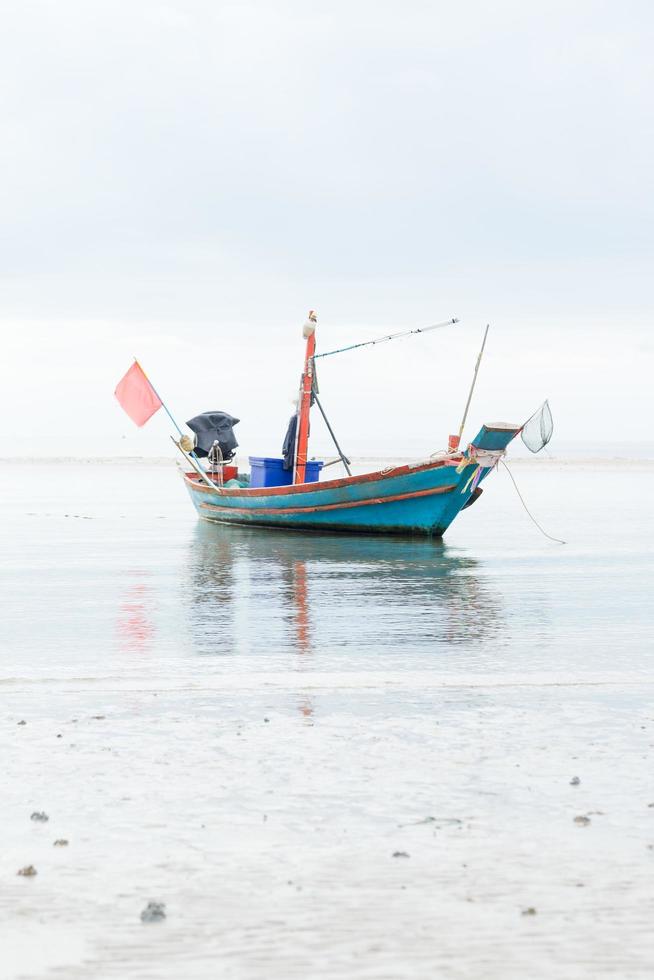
pixel 304 405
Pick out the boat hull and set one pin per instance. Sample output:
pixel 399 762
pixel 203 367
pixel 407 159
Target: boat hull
pixel 418 499
pixel 414 503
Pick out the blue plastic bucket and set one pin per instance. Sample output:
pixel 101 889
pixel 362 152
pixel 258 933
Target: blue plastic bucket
pixel 267 471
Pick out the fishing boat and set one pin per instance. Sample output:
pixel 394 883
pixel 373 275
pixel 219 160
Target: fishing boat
pixel 415 498
pixel 421 498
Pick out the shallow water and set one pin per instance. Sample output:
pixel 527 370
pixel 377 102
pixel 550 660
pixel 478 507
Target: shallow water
pixel 253 722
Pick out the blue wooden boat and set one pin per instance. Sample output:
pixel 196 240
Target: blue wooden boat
pixel 419 498
pixel 422 498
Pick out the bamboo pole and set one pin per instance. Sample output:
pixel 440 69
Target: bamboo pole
pixel 472 386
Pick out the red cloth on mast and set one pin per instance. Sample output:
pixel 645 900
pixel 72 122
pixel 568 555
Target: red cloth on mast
pixel 136 395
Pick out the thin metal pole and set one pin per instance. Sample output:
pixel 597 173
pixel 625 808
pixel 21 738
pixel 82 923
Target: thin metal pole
pixel 344 458
pixel 474 381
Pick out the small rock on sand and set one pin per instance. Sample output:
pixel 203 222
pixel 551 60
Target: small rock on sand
pixel 153 912
pixel 60 842
pixel 40 816
pixel 28 871
pixel 401 854
pixel 575 781
pixel 530 911
pixel 22 722
pixel 582 821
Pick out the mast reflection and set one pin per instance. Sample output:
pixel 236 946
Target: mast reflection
pixel 134 625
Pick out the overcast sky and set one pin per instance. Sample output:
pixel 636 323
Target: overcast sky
pixel 183 181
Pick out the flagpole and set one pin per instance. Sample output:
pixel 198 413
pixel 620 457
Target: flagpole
pixel 163 404
pixel 191 456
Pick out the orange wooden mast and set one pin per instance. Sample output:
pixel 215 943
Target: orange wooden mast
pixel 304 404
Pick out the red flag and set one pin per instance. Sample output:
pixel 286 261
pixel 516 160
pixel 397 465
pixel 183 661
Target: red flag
pixel 136 395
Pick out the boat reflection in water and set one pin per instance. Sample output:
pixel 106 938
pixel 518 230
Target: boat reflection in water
pixel 335 601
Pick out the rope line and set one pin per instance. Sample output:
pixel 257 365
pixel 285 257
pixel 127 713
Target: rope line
pixel 558 540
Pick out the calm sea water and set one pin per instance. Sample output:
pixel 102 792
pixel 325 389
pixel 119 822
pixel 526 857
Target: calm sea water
pixel 256 727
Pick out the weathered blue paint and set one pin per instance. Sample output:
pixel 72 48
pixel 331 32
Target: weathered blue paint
pixel 420 499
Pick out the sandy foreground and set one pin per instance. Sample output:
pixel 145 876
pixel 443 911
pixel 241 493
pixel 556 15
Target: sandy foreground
pixel 388 829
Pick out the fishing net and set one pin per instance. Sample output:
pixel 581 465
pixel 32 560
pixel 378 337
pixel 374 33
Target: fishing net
pixel 537 431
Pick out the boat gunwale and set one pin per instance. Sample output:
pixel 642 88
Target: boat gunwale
pixel 194 481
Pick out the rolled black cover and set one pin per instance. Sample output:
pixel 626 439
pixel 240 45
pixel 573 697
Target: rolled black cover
pixel 211 426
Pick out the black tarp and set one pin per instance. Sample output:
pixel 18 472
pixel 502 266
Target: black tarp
pixel 288 449
pixel 212 426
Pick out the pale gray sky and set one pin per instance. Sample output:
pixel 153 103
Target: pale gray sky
pixel 183 181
